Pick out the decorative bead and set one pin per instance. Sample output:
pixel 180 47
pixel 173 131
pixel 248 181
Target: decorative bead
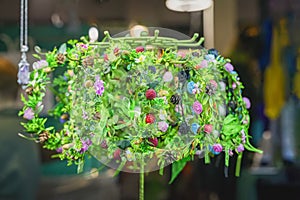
pixel 175 99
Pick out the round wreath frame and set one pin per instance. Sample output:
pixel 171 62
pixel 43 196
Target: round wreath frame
pixel 77 57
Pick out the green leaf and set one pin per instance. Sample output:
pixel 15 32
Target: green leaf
pixel 177 167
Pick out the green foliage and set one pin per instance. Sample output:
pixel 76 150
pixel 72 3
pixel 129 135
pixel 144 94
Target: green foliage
pixel 129 105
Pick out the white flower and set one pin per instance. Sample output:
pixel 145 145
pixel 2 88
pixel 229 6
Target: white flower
pixel 140 59
pixel 168 76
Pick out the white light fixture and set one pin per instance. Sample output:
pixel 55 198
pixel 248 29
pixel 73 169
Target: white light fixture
pixel 188 5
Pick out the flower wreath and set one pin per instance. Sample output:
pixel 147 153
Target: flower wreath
pixel 138 106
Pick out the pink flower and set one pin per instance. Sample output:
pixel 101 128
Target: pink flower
pixel 247 102
pixel 217 148
pixel 105 57
pixel 240 148
pixel 153 141
pixel 230 152
pixel 168 77
pixel 150 119
pixel 203 63
pixel 197 107
pixel 28 114
pixel 233 85
pixel 117 154
pixel 228 67
pixel 150 94
pixel 208 128
pixel 139 49
pixel 116 51
pixel 163 126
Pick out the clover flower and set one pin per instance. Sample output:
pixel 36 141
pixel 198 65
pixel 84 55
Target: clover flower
pixel 208 128
pixel 117 154
pixel 163 126
pixel 150 94
pixel 139 49
pixel 40 64
pixel 28 114
pixel 129 155
pixel 85 145
pixel 217 148
pixel 140 59
pixel 228 67
pixel 153 141
pixel 230 152
pixel 150 119
pixel 203 64
pixel 103 144
pixel 168 76
pixel 59 150
pixel 240 148
pixel 152 69
pixel 99 86
pixel 162 115
pixel 243 136
pixel 197 107
pixel 247 102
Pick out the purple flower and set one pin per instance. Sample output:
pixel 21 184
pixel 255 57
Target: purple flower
pixel 163 126
pixel 99 86
pixel 230 152
pixel 28 114
pixel 228 67
pixel 243 136
pixel 217 148
pixel 203 63
pixel 59 150
pixel 40 64
pixel 85 145
pixel 247 102
pixel 240 148
pixel 197 107
pixel 104 144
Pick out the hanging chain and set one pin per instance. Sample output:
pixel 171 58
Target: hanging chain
pixel 23 74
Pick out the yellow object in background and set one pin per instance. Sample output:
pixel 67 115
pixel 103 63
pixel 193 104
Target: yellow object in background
pixel 274 81
pixel 296 83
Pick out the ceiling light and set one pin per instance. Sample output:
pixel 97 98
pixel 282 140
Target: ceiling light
pixel 188 5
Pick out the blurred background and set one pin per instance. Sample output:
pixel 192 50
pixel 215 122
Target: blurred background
pixel 261 37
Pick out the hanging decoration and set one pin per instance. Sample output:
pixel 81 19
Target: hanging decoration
pixel 23 74
pixel 138 104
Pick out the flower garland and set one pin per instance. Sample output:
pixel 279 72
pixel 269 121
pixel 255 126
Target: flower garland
pixel 137 107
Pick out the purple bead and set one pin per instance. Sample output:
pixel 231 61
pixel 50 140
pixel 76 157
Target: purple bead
pixel 23 74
